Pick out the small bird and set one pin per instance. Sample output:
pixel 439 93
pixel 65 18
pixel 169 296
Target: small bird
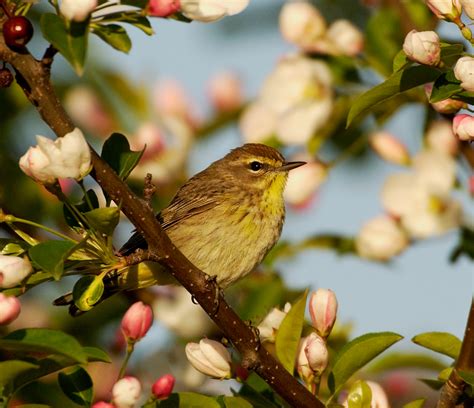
pixel 224 219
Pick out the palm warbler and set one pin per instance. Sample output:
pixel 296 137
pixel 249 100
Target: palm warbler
pixel 225 219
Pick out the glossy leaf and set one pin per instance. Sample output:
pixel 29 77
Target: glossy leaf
pixel 397 83
pixel 88 201
pixel 258 392
pixel 444 343
pixel 467 377
pixel 433 383
pixel 11 369
pixel 445 86
pixel 13 247
pixel 50 256
pixel 87 292
pixel 236 402
pixel 401 61
pixel 137 20
pixel 96 354
pixel 419 403
pixel 70 40
pixel 356 354
pixel 394 361
pixel 77 386
pixel 38 340
pixel 114 35
pixel 116 151
pixel 450 53
pixel 103 219
pixel 289 334
pixel 186 399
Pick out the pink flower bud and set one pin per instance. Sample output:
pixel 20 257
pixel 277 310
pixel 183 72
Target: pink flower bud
pixel 463 127
pixel 136 321
pixel 10 308
pixel 163 386
pixel 163 8
pixel 126 392
pixel 209 357
pixel 423 47
pixel 445 106
pixel 171 99
pixel 13 269
pixel 389 148
pixel 440 137
pixel 445 9
pixel 148 136
pixel 323 311
pixel 463 71
pixel 346 38
pixel 225 92
pixel 312 358
pixel 102 404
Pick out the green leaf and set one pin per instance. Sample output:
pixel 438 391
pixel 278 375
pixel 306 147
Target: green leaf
pixel 39 340
pixel 77 386
pixel 236 402
pixel 96 354
pixel 187 400
pixel 450 53
pixel 136 3
pixel 70 39
pixel 130 17
pixel 445 86
pixel 103 219
pixel 289 334
pixel 258 392
pixel 33 406
pixel 468 377
pixel 441 342
pixel 11 369
pixel 88 200
pixel 397 83
pixel 87 292
pixel 360 395
pixel 116 151
pixel 114 35
pixel 433 383
pixel 400 61
pixel 356 354
pixel 419 403
pixel 50 256
pixel 13 247
pixel 394 361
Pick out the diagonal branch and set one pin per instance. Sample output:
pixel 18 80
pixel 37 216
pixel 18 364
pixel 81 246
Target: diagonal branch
pixel 34 78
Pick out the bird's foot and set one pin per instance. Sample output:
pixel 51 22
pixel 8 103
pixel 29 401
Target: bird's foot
pixel 218 292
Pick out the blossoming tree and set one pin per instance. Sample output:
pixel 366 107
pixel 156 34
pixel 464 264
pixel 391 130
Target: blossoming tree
pixel 314 98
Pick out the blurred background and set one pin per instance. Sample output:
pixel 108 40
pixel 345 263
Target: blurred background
pixel 418 291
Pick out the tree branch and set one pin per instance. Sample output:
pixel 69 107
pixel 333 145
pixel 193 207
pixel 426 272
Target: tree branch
pixel 34 78
pixel 452 392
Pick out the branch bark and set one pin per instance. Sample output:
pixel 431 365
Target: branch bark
pixel 34 78
pixel 452 392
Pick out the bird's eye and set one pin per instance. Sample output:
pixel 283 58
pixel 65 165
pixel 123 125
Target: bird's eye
pixel 255 166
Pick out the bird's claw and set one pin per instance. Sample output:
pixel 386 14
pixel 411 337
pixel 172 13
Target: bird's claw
pixel 256 334
pixel 212 279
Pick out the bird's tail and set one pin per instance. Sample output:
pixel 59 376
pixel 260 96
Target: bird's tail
pixel 133 277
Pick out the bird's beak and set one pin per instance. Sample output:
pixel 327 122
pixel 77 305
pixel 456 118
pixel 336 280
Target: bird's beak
pixel 287 166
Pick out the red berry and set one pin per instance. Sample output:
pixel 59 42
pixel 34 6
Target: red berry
pixel 17 31
pixel 6 78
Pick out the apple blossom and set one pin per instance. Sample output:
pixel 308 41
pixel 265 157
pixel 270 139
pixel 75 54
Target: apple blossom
pixel 435 171
pixel 445 9
pixel 103 404
pixel 303 182
pixel 126 392
pixel 323 311
pixel 137 321
pixel 463 127
pixel 301 23
pixel 209 357
pixel 65 157
pixel 163 8
pixel 389 148
pixel 380 239
pixel 13 270
pixel 346 37
pixel 464 71
pixel 148 136
pixel 269 326
pixel 423 47
pixel 257 123
pixel 211 10
pixel 77 10
pixel 163 386
pixel 312 357
pixel 225 92
pixel 441 138
pixel 445 106
pixel 10 308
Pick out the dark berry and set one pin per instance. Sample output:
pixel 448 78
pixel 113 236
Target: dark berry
pixel 6 78
pixel 17 31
